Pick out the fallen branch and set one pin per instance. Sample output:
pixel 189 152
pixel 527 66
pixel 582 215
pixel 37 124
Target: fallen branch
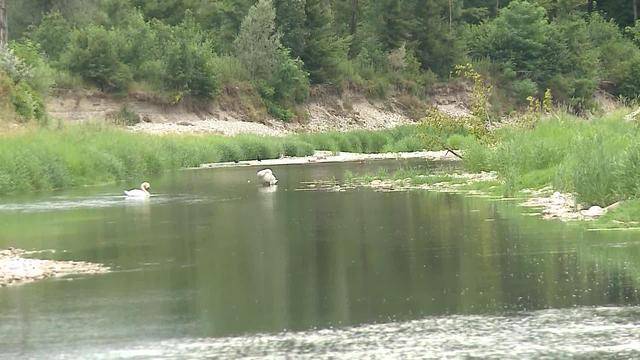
pixel 453 152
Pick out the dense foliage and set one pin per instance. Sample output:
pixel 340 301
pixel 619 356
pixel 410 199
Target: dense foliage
pixel 191 49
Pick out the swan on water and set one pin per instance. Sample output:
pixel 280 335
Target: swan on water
pixel 266 177
pixel 143 192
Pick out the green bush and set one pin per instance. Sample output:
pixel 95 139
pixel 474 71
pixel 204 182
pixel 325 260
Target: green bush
pixel 409 143
pixel 295 147
pixel 187 58
pixel 28 104
pixel 229 152
pixel 589 169
pixel 478 157
pixel 18 75
pixel 290 83
pixel 278 77
pixel 618 56
pixel 523 89
pixel 629 85
pixel 126 117
pixel 94 53
pixel 40 76
pixel 229 70
pixel 534 54
pixel 53 34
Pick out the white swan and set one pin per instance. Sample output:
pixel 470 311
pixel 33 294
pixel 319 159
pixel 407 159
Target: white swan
pixel 143 192
pixel 266 177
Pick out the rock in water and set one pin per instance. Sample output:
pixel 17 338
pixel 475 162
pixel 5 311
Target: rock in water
pixel 594 211
pixel 266 177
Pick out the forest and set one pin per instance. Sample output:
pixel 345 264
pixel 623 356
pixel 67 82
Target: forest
pixel 278 50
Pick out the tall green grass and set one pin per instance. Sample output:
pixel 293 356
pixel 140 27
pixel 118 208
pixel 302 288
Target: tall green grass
pixel 90 154
pixel 598 160
pixel 401 138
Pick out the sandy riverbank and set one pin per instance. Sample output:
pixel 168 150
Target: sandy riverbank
pixel 17 269
pixel 330 157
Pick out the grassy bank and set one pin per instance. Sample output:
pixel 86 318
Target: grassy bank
pixel 91 154
pixel 596 160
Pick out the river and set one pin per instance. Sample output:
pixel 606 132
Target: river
pixel 215 266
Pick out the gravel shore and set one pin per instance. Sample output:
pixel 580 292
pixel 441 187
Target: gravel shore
pixel 329 157
pixel 17 269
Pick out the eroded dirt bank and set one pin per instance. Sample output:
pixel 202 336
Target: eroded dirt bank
pixel 233 114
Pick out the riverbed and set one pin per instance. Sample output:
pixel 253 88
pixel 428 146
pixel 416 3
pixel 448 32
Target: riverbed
pixel 215 266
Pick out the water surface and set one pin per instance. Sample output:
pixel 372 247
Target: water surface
pixel 214 265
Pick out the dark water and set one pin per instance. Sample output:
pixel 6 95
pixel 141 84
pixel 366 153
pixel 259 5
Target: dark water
pixel 213 266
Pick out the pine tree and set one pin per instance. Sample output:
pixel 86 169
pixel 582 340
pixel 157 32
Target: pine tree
pixel 323 50
pixel 290 17
pixel 3 23
pixel 258 44
pixel 390 22
pixel 622 11
pixel 347 16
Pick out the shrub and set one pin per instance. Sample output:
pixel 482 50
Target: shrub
pixel 53 34
pixel 280 79
pixel 94 54
pixel 534 54
pixel 290 83
pixel 187 58
pixel 409 143
pixel 126 117
pixel 28 104
pixel 40 76
pixel 618 56
pixel 229 70
pixel 257 147
pixel 25 101
pixel 588 171
pixel 524 89
pixel 294 147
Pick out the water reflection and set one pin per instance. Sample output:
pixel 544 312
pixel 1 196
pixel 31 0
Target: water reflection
pixel 268 189
pixel 222 257
pixel 583 332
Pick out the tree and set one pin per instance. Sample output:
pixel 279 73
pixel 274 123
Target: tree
pixel 619 57
pixel 279 78
pixel 624 12
pixel 390 21
pixel 323 49
pixel 223 19
pixel 534 54
pixel 53 34
pixel 94 54
pixel 3 23
pixel 347 15
pixel 561 8
pixel 516 37
pixel 258 44
pixel 290 18
pixel 435 42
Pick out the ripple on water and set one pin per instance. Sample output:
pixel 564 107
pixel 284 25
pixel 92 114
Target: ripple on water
pixel 608 332
pixel 96 202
